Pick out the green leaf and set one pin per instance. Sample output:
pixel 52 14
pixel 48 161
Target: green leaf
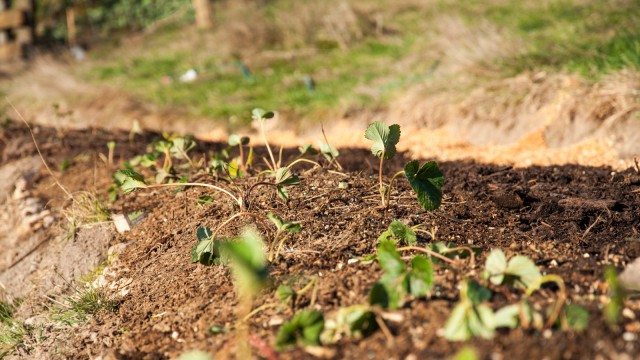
pixel 474 292
pixel 480 321
pixel 389 259
pixel 399 232
pixel 234 140
pixel 195 355
pixel 308 150
pixel 420 279
pixel 379 296
pixel 613 309
pixel 305 327
pixel 495 266
pixel 285 293
pixel 203 233
pixel 524 269
pixel 129 180
pixel 426 182
pixel 206 252
pixel 282 225
pixel 285 177
pixel 260 114
pixel 217 329
pixel 577 317
pixel 507 317
pixel 234 170
pixel 205 199
pixel 467 353
pixel 180 146
pixel 328 151
pixel 248 262
pixel 385 138
pixel 456 327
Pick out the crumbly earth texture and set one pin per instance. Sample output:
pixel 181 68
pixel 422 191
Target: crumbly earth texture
pixel 570 220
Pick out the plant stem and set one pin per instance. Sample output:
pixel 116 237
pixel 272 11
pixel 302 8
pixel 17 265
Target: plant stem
pixel 233 217
pixel 242 165
pixel 258 309
pixel 303 160
pixel 472 256
pixel 236 199
pixel 246 198
pixel 307 287
pixel 562 294
pixel 264 138
pixel 280 246
pixel 275 239
pixel 427 251
pixel 391 185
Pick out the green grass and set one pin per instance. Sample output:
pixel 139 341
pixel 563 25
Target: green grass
pixel 591 38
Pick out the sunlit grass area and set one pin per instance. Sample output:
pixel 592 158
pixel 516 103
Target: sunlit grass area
pixel 311 60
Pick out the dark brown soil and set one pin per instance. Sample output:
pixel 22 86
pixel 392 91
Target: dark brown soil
pixel 571 220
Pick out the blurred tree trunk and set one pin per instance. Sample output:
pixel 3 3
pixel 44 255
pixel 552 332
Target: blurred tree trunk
pixel 203 14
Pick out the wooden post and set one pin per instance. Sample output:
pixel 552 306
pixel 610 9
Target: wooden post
pixel 203 14
pixel 71 26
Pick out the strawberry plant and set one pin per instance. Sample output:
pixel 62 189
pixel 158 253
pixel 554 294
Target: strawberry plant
pixel 426 181
pixel 305 328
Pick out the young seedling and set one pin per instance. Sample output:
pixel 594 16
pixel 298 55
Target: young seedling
pixel 398 281
pixel 305 328
pixel 426 181
pixel 385 138
pixel 129 181
pixel 473 317
pixel 283 227
pixel 111 146
pixel 519 270
pixel 240 142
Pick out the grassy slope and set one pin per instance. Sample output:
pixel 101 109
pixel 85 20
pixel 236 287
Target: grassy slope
pixel 589 38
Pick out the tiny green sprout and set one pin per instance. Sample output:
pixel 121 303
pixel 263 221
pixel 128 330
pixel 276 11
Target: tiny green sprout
pixel 284 177
pixel 617 294
pixel 519 269
pixel 261 115
pixel 329 152
pixel 426 181
pixel 282 226
pixel 206 251
pixel 471 316
pixel 399 281
pixel 129 180
pixel 240 142
pixel 204 200
pixel 305 327
pixel 111 146
pixel 399 232
pixel 467 353
pixel 356 321
pixel 308 150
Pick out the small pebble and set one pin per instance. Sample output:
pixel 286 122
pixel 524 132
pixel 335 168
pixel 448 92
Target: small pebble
pixel 629 336
pixel 586 255
pixel 547 334
pixel 628 313
pixel 174 335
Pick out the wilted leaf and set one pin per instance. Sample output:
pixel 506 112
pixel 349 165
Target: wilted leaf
pixel 426 182
pixel 385 138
